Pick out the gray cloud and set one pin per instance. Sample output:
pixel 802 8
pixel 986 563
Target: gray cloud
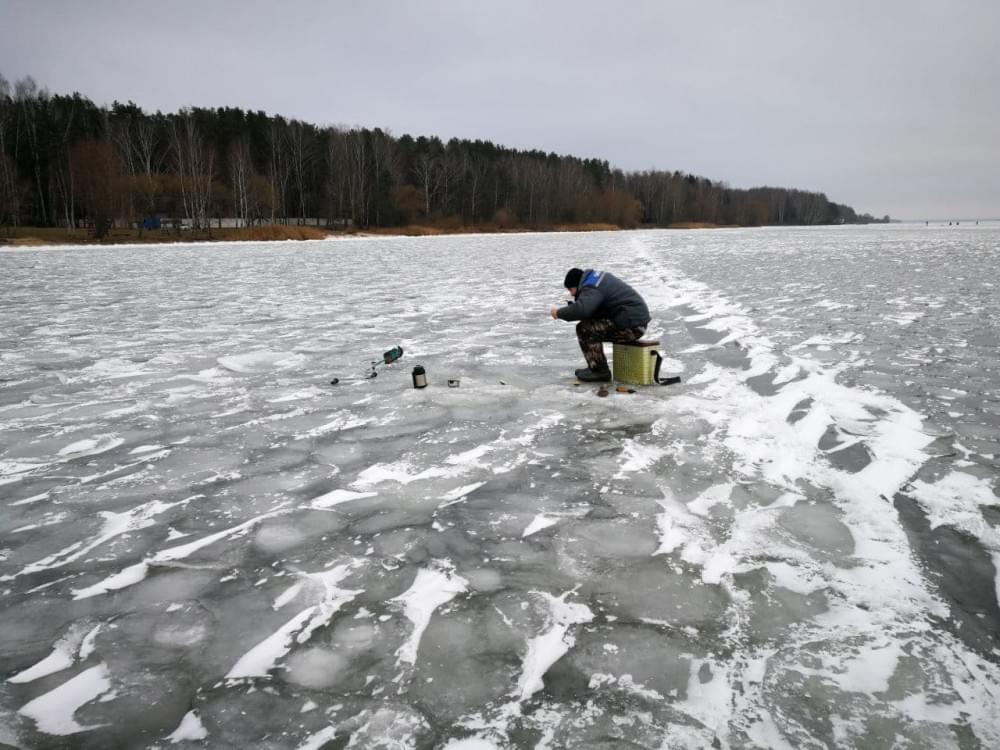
pixel 891 107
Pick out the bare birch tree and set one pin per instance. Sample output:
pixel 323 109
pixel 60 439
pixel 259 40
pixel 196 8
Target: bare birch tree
pixel 278 169
pixel 241 168
pixel 385 163
pixel 337 174
pixel 9 204
pixel 195 162
pixel 428 172
pixel 359 178
pixel 301 144
pixel 121 133
pixel 28 98
pixel 148 160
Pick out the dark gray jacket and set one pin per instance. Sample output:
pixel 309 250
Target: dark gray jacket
pixel 603 295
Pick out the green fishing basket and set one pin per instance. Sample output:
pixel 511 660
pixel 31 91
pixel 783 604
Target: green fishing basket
pixel 635 363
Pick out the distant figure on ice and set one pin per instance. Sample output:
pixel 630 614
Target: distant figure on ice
pixel 608 310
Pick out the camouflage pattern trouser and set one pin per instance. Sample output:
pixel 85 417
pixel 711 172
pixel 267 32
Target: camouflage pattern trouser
pixel 593 333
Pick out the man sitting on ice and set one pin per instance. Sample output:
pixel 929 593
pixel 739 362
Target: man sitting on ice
pixel 608 310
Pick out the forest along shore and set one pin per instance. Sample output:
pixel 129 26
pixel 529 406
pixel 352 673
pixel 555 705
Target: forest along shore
pixel 68 162
pixel 41 236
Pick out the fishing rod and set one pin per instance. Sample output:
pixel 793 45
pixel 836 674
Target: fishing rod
pixel 387 359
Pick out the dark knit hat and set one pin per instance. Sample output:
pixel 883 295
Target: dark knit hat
pixel 573 278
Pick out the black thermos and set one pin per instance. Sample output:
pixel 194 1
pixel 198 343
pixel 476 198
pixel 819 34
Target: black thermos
pixel 419 377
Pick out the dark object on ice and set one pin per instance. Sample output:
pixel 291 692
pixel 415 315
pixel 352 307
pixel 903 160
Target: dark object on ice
pixel 392 355
pixel 624 389
pixel 594 376
pixel 503 382
pixel 454 383
pixel 387 359
pixel 602 391
pixel 419 377
pixel 656 373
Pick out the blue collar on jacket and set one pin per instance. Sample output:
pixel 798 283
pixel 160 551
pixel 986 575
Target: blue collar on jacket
pixel 593 278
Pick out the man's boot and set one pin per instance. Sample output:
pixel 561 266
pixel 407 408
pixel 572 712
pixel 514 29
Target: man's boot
pixel 594 376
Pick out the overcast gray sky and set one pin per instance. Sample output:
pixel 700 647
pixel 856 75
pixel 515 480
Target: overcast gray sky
pixel 890 106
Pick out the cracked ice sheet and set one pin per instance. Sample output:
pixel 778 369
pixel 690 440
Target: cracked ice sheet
pixel 542 448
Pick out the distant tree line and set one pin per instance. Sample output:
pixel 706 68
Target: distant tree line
pixel 64 161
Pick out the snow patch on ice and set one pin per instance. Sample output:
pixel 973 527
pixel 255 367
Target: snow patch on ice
pixel 548 647
pixel 130 576
pixel 263 657
pixel 136 573
pixel 336 497
pixel 91 446
pixel 458 494
pixel 956 500
pixel 401 471
pixel 319 739
pixel 260 361
pixel 638 457
pixel 53 711
pixel 539 522
pixel 345 421
pixel 77 644
pixel 189 730
pixel 32 499
pixel 715 495
pixel 115 524
pixel 11 471
pixel 471 743
pixel 433 586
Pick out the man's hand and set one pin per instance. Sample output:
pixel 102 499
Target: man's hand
pixel 554 312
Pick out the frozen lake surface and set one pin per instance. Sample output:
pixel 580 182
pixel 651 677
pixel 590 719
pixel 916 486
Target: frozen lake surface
pixel 205 544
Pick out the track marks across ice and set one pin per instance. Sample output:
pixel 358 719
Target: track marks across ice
pixel 757 437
